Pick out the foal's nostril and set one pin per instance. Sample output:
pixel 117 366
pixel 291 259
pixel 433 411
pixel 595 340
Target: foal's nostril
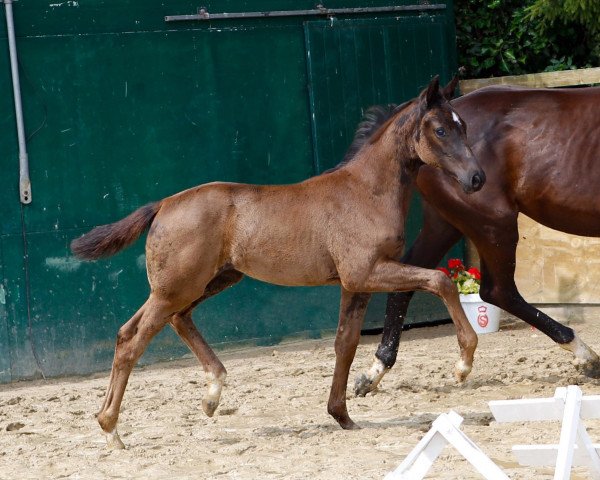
pixel 477 182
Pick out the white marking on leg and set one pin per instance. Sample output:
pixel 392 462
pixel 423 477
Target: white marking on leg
pixel 462 370
pixel 215 386
pixel 583 354
pixel 376 372
pixel 113 440
pixel 210 402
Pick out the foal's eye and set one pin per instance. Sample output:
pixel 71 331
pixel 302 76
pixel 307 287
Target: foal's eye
pixel 440 132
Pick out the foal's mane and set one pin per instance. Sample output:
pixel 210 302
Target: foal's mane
pixel 374 122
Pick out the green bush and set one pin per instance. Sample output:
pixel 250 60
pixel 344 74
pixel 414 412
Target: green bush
pixel 511 37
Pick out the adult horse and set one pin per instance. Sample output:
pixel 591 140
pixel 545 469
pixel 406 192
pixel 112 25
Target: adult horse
pixel 341 227
pixel 541 151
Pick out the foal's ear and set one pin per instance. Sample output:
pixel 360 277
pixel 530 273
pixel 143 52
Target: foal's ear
pixel 448 90
pixel 433 91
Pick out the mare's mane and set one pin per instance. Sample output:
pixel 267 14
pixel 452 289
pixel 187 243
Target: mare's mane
pixel 374 122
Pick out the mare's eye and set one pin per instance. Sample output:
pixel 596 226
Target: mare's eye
pixel 440 132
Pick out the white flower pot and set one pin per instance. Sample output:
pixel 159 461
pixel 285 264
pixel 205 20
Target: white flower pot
pixel 484 317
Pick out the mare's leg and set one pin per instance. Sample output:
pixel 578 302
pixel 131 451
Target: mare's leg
pixel 184 326
pixel 132 339
pixel 498 287
pixel 434 240
pixel 352 312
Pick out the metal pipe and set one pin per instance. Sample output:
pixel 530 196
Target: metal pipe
pixel 24 182
pixel 203 14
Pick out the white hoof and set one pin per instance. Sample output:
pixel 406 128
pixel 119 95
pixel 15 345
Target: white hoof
pixel 213 397
pixel 113 441
pixel 462 370
pixel 367 382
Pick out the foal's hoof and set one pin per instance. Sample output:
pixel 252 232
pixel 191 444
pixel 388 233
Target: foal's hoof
pixel 363 385
pixel 461 371
pixel 590 369
pixel 113 441
pixel 348 424
pixel 209 407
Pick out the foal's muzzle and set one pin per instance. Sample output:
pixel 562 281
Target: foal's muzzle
pixel 475 182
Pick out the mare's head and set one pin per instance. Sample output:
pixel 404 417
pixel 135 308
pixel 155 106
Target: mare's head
pixel 440 138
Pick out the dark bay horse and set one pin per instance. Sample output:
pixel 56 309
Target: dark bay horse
pixel 343 227
pixel 541 151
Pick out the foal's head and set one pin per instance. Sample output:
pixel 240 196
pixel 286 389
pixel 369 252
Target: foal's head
pixel 440 138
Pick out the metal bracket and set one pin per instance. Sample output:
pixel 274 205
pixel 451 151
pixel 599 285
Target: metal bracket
pixel 319 10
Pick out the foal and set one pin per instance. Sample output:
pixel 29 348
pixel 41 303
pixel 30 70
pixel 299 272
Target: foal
pixel 341 227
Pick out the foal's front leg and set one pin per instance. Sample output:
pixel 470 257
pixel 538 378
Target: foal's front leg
pixel 434 240
pixel 389 276
pixel 352 312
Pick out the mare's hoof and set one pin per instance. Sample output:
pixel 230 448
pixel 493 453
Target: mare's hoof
pixel 363 385
pixel 209 407
pixel 590 369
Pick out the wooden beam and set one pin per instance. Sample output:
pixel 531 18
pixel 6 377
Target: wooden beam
pixel 582 76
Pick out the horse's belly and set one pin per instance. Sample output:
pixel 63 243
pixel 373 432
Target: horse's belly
pixel 290 270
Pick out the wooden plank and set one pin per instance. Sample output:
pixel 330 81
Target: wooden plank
pixel 545 455
pixel 540 409
pixel 582 76
pixel 590 406
pixel 527 410
pixel 568 433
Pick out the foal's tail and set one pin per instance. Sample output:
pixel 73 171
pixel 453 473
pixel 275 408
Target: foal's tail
pixel 106 240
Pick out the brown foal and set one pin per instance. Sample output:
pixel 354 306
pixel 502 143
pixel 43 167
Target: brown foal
pixel 342 227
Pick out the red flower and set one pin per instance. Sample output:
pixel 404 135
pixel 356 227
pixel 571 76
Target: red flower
pixel 456 263
pixel 476 273
pixel 445 270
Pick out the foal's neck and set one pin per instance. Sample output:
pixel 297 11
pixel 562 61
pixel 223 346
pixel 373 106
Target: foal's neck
pixel 389 159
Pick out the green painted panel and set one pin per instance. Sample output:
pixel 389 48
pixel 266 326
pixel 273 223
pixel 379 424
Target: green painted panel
pixel 19 349
pixel 192 109
pixel 121 109
pixel 354 64
pixel 5 364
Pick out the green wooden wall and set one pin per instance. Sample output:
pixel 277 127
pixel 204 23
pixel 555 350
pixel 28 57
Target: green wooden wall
pixel 122 108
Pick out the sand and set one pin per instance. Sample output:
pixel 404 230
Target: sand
pixel 272 422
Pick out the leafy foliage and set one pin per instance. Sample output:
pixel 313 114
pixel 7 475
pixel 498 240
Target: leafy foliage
pixel 508 37
pixel 584 13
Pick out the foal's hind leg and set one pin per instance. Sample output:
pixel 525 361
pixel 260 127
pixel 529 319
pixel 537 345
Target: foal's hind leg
pixel 132 339
pixel 184 326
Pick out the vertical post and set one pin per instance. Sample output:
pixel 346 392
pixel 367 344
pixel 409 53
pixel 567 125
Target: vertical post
pixel 24 182
pixel 568 433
